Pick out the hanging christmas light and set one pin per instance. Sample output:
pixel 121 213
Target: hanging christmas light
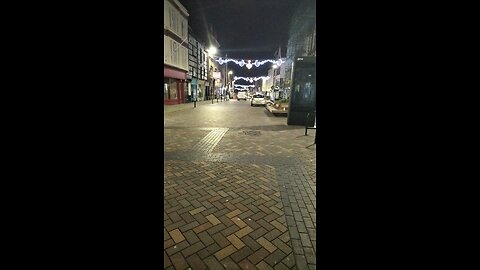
pixel 250 79
pixel 248 64
pixel 243 87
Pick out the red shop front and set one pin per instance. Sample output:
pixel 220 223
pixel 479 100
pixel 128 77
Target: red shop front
pixel 174 81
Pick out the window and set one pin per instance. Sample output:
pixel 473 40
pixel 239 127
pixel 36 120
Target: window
pixel 182 29
pixel 165 90
pixel 172 89
pixel 169 88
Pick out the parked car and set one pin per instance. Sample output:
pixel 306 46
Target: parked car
pixel 258 99
pixel 242 95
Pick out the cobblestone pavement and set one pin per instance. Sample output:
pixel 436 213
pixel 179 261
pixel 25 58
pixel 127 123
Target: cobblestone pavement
pixel 238 195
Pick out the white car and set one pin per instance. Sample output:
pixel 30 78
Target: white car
pixel 258 99
pixel 242 95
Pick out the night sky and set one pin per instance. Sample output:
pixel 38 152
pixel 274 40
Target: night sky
pixel 245 29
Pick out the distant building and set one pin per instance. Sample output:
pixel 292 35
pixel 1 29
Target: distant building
pixel 175 54
pixel 276 80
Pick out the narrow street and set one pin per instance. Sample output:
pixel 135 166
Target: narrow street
pixel 239 189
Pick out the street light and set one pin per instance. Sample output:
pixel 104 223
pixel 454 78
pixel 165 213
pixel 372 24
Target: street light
pixel 212 51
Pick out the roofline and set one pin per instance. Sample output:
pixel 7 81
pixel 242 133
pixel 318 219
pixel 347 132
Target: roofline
pixel 180 7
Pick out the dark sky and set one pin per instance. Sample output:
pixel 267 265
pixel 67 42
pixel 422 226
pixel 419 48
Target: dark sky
pixel 246 29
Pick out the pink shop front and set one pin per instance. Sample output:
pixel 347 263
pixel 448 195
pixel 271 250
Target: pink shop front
pixel 174 85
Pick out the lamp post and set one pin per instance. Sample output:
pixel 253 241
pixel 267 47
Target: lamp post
pixel 226 80
pixel 211 52
pixel 230 81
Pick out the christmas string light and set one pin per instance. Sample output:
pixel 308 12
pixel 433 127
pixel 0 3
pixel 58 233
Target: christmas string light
pixel 243 87
pixel 249 63
pixel 250 79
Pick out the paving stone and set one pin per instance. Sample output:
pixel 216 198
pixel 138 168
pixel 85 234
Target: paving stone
pixel 263 266
pixel 221 240
pixel 272 234
pixel 228 263
pixel 196 262
pixel 282 246
pixel 234 213
pixel 175 225
pixel 206 238
pixel 275 257
pixel 236 242
pixel 258 233
pixel 232 229
pixel 189 226
pixel 226 251
pixel 258 256
pixel 179 261
pixel 289 260
pixel 251 243
pixel 166 260
pixel 266 244
pixel 213 248
pixel 202 227
pixel 193 249
pixel 177 248
pixel 177 236
pixel 191 237
pixel 246 230
pixel 239 222
pixel 279 226
pixel 297 246
pixel 310 256
pixel 168 243
pixel 301 262
pixel 285 237
pixel 280 266
pixel 265 225
pixel 212 263
pixel 305 239
pixel 214 220
pixel 216 228
pixel 241 254
pixel 246 265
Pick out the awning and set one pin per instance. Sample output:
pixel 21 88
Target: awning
pixel 174 73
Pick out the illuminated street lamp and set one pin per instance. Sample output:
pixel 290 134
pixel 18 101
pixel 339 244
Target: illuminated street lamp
pixel 212 51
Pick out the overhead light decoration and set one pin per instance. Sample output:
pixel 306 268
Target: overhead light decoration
pixel 243 87
pixel 250 79
pixel 248 63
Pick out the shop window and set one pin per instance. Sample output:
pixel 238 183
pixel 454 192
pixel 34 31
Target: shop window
pixel 165 90
pixel 172 89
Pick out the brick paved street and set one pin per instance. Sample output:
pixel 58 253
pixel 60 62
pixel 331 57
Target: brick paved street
pixel 239 189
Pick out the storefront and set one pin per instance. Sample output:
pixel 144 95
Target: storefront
pixel 174 86
pixel 201 90
pixel 193 91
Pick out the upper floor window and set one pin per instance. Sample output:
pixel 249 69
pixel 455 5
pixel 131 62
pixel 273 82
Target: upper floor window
pixel 183 31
